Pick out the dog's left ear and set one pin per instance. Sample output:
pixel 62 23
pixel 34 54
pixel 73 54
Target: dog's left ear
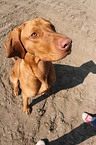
pixel 14 46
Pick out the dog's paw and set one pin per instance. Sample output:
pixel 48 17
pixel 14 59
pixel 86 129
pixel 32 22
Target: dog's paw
pixel 27 110
pixel 48 92
pixel 16 91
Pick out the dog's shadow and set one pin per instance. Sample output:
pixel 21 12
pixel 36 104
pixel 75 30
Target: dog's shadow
pixel 68 77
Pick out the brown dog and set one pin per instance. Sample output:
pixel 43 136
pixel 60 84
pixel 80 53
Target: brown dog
pixel 36 43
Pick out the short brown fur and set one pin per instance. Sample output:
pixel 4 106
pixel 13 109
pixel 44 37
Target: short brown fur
pixel 36 43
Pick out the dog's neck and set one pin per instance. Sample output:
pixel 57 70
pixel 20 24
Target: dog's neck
pixel 30 58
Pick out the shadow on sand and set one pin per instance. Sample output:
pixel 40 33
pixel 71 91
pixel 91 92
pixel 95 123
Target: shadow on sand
pixel 68 77
pixel 76 136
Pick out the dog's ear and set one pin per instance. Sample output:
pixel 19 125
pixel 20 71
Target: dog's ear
pixel 14 46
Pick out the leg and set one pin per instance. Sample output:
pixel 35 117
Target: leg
pixel 49 80
pixel 26 107
pixel 51 76
pixel 14 80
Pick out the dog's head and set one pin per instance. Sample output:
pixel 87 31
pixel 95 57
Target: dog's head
pixel 38 37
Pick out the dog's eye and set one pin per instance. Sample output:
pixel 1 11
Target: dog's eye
pixel 34 34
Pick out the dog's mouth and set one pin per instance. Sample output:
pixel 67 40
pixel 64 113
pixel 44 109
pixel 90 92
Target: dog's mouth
pixel 60 54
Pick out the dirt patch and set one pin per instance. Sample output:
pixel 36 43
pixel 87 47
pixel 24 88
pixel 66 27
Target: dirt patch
pixel 58 117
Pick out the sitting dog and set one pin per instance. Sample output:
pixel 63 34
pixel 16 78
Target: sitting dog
pixel 36 43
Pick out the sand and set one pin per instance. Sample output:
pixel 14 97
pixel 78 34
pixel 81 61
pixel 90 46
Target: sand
pixel 59 116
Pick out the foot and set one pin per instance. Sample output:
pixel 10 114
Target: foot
pixel 16 91
pixel 40 142
pixel 43 142
pixel 89 119
pixel 48 93
pixel 27 110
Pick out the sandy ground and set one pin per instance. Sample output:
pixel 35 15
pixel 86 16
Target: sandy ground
pixel 58 117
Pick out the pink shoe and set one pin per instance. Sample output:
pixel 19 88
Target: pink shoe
pixel 87 118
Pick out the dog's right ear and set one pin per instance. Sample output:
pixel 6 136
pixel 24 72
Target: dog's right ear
pixel 14 46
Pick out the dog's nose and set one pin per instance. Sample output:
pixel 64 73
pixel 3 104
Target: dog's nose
pixel 65 43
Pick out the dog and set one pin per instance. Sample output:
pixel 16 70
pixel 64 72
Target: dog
pixel 37 44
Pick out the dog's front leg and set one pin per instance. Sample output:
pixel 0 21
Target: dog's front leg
pixel 26 107
pixel 15 81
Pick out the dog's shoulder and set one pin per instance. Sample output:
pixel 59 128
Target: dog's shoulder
pixel 16 67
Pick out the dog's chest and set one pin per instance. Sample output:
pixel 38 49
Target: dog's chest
pixel 34 72
pixel 32 79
